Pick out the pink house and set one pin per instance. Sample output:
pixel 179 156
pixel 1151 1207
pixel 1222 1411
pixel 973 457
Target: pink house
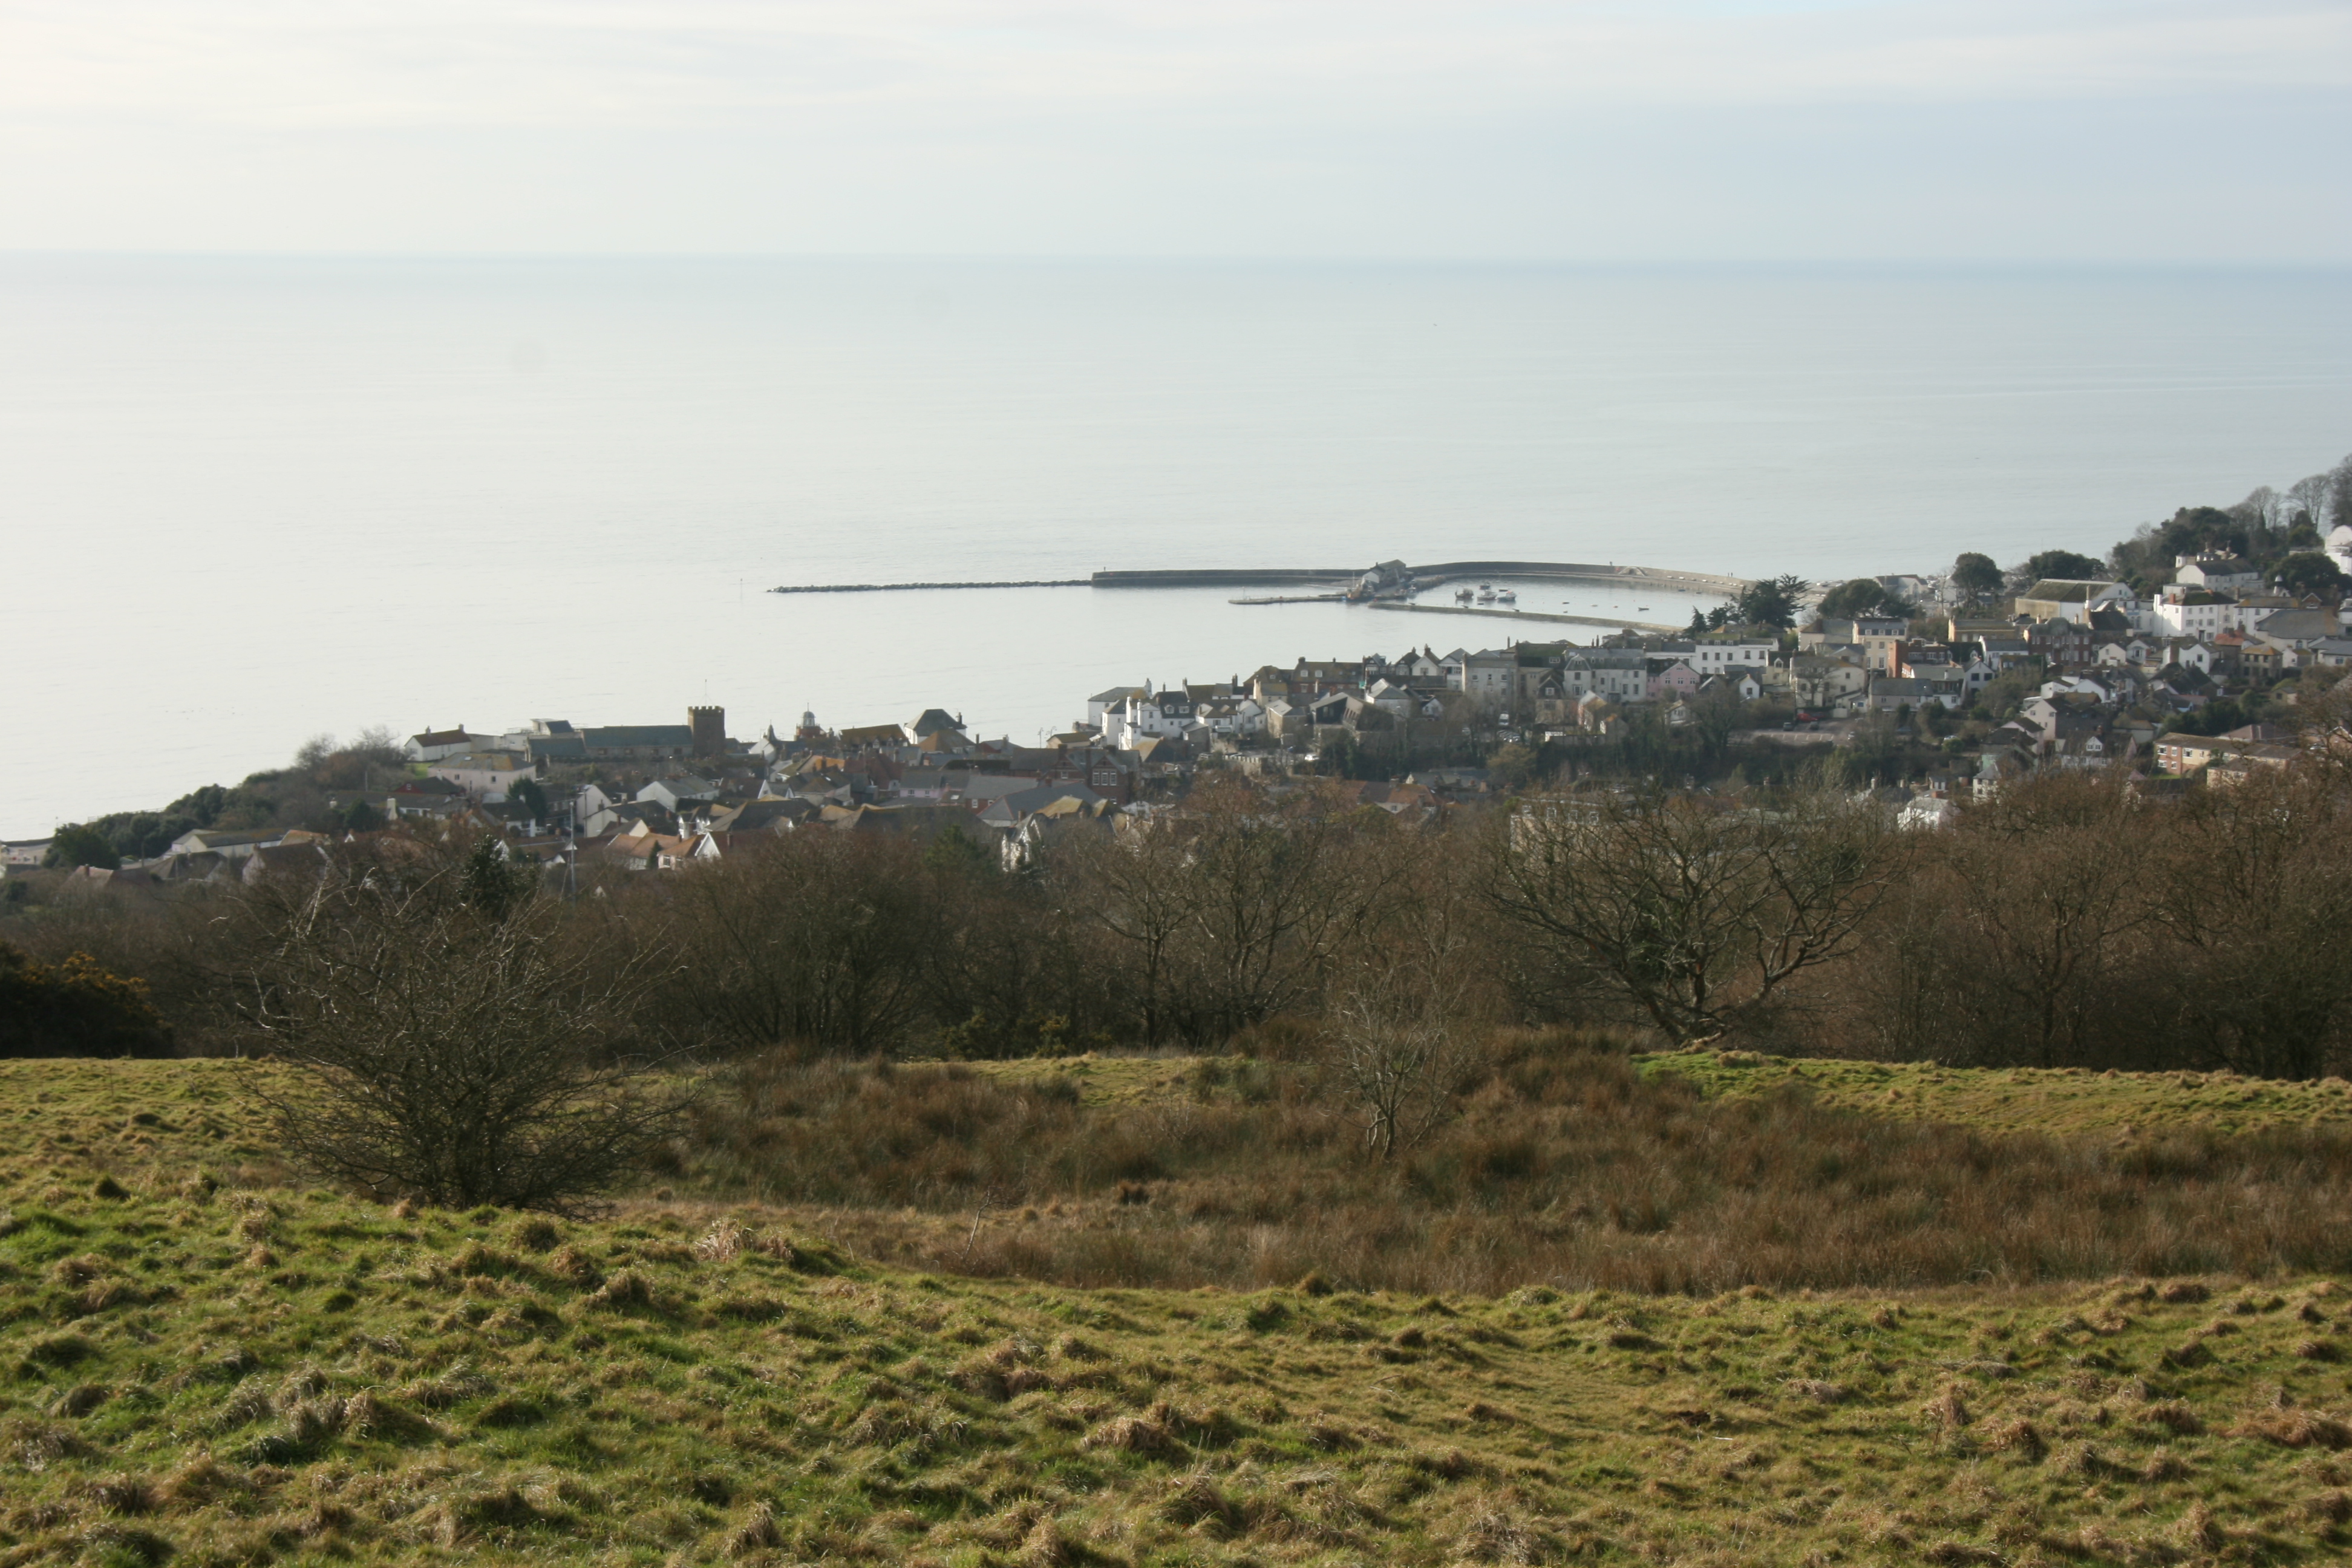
pixel 1676 682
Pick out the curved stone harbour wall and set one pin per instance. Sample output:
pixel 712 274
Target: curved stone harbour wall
pixel 1442 572
pixel 1586 572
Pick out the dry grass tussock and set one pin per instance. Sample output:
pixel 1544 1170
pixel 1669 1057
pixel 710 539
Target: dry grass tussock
pixel 674 1386
pixel 1568 1167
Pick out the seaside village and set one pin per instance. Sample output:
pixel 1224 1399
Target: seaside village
pixel 2105 678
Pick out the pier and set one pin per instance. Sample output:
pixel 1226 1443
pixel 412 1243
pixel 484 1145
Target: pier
pixel 1312 583
pixel 1232 578
pixel 1664 579
pixel 910 587
pixel 1658 578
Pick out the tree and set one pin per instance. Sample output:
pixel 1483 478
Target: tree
pixel 1272 888
pixel 2049 888
pixel 1696 910
pixel 2064 565
pixel 817 939
pixel 1977 576
pixel 528 794
pixel 493 882
pixel 1394 1045
pixel 1714 713
pixel 2311 573
pixel 2256 894
pixel 1134 887
pixel 1863 596
pixel 1772 603
pixel 75 1008
pixel 77 845
pixel 448 1051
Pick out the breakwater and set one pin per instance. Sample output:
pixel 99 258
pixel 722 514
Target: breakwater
pixel 1229 577
pixel 1664 579
pixel 1658 578
pixel 909 587
pixel 1337 578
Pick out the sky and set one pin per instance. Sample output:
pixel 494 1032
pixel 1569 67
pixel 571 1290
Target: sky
pixel 2183 132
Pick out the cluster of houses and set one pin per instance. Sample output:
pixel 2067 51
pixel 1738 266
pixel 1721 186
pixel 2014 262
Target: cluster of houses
pixel 2111 671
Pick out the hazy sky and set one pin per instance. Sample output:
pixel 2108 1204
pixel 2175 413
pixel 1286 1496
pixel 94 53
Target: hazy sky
pixel 2045 130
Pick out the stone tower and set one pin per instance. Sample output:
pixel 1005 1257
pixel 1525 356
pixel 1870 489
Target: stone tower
pixel 709 726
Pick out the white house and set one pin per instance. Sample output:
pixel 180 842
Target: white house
pixel 1146 714
pixel 1710 657
pixel 1622 675
pixel 229 845
pixel 1391 697
pixel 2073 599
pixel 2181 611
pixel 673 793
pixel 2126 651
pixel 1489 674
pixel 1926 811
pixel 435 744
pixel 1746 678
pixel 1099 705
pixel 2339 546
pixel 2189 654
pixel 2221 574
pixel 485 775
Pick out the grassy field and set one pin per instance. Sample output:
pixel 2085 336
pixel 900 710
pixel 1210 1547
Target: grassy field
pixel 2019 1099
pixel 2056 1101
pixel 202 1361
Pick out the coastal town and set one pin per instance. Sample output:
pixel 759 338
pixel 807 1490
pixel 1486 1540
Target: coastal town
pixel 1958 694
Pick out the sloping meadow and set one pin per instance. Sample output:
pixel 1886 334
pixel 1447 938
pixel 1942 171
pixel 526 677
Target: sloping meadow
pixel 202 1374
pixel 1166 1311
pixel 1568 1168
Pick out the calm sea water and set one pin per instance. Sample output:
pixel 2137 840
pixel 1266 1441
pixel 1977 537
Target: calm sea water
pixel 246 501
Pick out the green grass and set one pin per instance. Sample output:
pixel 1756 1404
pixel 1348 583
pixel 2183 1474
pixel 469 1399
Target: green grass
pixel 199 1363
pixel 2026 1100
pixel 2061 1101
pixel 1102 1079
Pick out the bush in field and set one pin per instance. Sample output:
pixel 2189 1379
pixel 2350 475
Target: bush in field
pixel 75 1008
pixel 459 1039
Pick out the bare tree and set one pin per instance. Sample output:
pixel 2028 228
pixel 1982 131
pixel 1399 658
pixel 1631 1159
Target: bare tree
pixel 2050 892
pixel 816 938
pixel 1398 1030
pixel 456 1053
pixel 1696 909
pixel 1135 886
pixel 2256 889
pixel 1273 889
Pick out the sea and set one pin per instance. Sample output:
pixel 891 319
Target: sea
pixel 245 501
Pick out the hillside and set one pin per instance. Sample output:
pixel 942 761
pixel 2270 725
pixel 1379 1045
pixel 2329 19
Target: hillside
pixel 2014 1099
pixel 2028 1100
pixel 215 1373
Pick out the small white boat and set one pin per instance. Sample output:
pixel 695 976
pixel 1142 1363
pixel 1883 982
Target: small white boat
pixel 1485 592
pixel 1462 597
pixel 1506 596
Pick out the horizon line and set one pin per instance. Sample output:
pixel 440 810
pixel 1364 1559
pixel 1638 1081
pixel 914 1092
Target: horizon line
pixel 1145 259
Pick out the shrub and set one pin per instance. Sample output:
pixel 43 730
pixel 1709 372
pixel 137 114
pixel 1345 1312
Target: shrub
pixel 454 1043
pixel 75 1008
